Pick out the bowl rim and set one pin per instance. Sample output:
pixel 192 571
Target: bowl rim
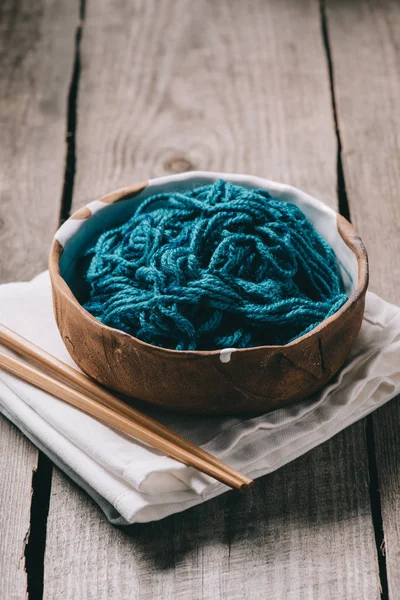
pixel 345 229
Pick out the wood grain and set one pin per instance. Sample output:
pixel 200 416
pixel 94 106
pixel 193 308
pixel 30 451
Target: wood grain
pixel 366 55
pixel 36 55
pixel 236 86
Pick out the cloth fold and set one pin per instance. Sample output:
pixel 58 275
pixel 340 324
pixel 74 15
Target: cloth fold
pixel 134 483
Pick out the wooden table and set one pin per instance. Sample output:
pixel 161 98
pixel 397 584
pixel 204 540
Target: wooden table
pixel 110 92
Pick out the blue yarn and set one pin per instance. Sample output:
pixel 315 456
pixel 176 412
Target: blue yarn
pixel 216 267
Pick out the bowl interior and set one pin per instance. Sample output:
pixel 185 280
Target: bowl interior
pixel 77 234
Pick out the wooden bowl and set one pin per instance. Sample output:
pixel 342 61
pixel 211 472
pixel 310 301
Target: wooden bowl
pixel 225 381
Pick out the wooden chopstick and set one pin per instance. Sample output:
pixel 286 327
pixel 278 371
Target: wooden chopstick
pixel 87 395
pixel 110 417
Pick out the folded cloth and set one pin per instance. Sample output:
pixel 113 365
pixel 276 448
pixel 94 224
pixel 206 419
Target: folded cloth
pixel 133 483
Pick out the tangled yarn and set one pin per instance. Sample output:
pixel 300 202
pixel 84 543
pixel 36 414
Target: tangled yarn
pixel 219 266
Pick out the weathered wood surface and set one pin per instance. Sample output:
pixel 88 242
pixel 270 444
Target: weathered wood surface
pixel 18 459
pixel 36 55
pixel 168 86
pixel 297 534
pixel 235 86
pixel 366 55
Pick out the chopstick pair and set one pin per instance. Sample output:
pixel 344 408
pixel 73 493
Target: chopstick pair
pixel 73 387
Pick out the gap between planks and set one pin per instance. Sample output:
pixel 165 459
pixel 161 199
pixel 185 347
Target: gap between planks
pixel 36 542
pixel 344 209
pixel 42 477
pixel 72 110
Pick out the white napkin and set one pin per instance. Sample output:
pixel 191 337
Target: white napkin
pixel 133 483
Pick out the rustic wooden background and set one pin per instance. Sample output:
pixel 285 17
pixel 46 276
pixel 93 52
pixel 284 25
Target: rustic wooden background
pixel 104 93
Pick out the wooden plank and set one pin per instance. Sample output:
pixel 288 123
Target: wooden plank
pixel 168 85
pixel 36 55
pixel 302 532
pixel 18 459
pixel 364 38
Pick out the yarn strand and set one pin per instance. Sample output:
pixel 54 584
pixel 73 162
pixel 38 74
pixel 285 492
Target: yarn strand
pixel 215 267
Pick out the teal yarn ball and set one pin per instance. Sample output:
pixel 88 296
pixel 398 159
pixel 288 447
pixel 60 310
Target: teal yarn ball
pixel 219 266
